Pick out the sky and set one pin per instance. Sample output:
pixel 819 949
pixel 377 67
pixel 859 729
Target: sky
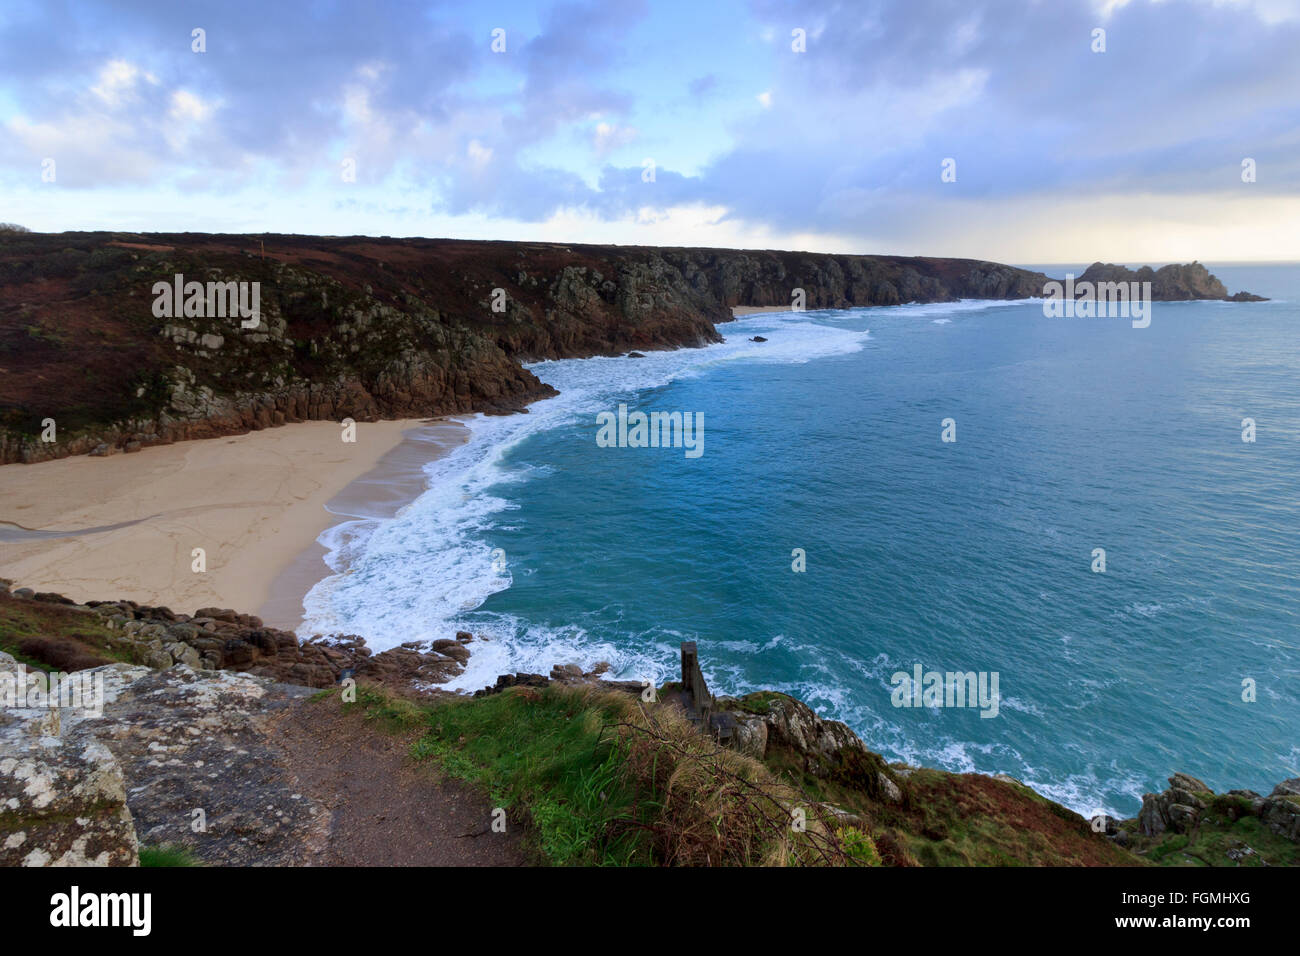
pixel 1005 129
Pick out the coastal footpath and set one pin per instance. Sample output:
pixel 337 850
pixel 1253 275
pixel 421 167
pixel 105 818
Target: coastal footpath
pixel 223 742
pixel 367 329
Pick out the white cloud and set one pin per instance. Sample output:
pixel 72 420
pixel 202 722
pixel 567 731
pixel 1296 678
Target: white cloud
pixel 117 82
pixel 608 137
pixel 188 106
pixel 478 154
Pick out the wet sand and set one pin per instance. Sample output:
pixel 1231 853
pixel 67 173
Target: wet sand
pixel 397 479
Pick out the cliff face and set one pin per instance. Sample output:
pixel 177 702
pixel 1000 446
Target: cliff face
pixel 384 328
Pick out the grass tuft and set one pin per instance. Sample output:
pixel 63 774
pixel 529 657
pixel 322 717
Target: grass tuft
pixel 168 854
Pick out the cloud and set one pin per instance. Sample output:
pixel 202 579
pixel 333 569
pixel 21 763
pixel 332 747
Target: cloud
pixel 293 79
pixel 865 116
pixel 848 140
pixel 117 82
pixel 607 137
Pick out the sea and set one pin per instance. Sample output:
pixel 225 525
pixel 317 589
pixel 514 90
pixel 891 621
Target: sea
pixel 1097 531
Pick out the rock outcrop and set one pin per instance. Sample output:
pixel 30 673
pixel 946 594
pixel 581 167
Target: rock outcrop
pixel 767 722
pixel 1182 806
pixel 63 800
pixel 570 674
pixel 175 752
pixel 214 639
pixel 170 754
pixel 223 639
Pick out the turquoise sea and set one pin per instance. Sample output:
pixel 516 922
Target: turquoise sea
pixel 974 555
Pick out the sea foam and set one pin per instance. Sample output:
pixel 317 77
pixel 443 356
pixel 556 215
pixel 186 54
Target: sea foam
pixel 416 576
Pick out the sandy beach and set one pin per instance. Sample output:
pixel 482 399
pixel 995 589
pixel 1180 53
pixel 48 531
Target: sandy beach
pixel 126 526
pixel 738 311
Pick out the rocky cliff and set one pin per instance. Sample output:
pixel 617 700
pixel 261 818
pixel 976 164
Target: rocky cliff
pixel 195 712
pixel 384 328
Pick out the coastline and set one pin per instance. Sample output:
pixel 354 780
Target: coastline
pixel 125 527
pixel 396 479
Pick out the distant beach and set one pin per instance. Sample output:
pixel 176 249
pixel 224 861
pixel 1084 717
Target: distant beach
pixel 740 311
pixel 125 527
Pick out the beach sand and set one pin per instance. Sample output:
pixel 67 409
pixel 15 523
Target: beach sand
pixel 255 503
pixel 395 481
pixel 737 311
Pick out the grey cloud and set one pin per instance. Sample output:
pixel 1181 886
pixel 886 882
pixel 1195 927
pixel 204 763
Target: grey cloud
pixel 857 127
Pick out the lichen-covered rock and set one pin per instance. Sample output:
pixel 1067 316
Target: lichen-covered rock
pixel 1281 814
pixel 825 748
pixel 62 802
pixel 1287 788
pixel 750 736
pixel 1188 783
pixel 173 756
pixel 182 653
pixel 1153 820
pixel 1177 808
pixel 888 789
pixel 181 738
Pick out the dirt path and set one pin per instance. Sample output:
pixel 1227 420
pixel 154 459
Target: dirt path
pixel 384 809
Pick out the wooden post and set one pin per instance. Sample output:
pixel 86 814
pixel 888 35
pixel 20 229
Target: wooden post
pixel 690 664
pixel 697 691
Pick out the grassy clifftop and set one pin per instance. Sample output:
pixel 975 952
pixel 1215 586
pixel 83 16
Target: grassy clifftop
pixel 599 775
pixel 604 778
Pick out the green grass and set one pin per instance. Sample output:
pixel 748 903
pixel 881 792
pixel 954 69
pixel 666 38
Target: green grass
pixel 597 790
pixel 971 820
pixel 50 637
pixel 600 781
pixel 759 702
pixel 549 757
pixel 1215 834
pixel 168 854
